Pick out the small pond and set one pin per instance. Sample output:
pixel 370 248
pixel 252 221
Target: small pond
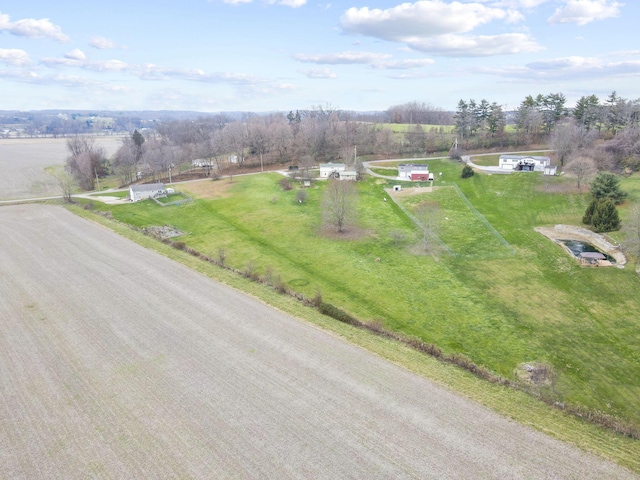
pixel 577 247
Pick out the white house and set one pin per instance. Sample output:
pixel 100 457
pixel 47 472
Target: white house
pixel 146 190
pixel 201 162
pixel 523 163
pixel 406 169
pixel 348 175
pixel 331 169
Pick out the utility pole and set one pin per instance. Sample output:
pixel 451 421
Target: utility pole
pixel 95 170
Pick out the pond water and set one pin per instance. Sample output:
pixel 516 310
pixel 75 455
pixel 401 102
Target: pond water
pixel 577 247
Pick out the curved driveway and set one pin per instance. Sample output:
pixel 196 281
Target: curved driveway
pixel 116 362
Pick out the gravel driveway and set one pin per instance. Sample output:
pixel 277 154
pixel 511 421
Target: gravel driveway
pixel 116 362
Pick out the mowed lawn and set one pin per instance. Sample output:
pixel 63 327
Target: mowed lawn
pixel 503 296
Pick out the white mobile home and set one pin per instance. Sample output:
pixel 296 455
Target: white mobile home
pixel 146 190
pixel 331 169
pixel 523 163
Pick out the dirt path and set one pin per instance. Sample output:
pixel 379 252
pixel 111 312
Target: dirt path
pixel 116 362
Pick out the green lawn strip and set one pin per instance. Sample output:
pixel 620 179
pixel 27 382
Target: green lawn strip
pixel 498 310
pixel 513 404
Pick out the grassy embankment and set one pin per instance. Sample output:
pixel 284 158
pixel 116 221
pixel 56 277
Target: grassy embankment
pixel 498 308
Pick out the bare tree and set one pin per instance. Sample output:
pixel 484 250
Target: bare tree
pixel 125 161
pixel 258 139
pixel 87 161
pixel 567 138
pixel 339 204
pixel 65 181
pixel 582 168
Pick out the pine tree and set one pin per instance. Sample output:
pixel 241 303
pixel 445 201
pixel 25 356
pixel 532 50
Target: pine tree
pixel 602 215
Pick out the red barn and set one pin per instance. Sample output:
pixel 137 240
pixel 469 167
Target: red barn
pixel 419 176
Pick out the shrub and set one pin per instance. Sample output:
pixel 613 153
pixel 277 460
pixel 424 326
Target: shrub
pixel 467 172
pixel 285 184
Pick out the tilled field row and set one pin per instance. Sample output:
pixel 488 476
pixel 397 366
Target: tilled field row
pixel 116 362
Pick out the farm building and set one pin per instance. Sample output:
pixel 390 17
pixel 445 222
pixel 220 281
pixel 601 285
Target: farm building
pixel 348 175
pixel 549 170
pixel 406 169
pixel 331 169
pixel 420 176
pixel 146 190
pixel 523 163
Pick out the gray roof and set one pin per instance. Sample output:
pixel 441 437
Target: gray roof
pixel 147 187
pixel 594 255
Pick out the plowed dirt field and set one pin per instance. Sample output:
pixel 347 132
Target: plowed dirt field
pixel 116 362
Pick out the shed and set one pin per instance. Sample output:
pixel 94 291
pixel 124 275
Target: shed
pixel 419 176
pixel 146 190
pixel 406 169
pixel 348 175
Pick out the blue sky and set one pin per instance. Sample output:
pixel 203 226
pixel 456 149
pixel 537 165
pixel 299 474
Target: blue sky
pixel 265 55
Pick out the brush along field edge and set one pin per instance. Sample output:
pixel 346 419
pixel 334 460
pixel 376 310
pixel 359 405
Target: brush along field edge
pixel 120 363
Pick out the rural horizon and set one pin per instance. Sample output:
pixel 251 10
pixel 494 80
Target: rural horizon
pixel 283 239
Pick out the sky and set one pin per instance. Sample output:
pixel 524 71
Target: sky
pixel 282 55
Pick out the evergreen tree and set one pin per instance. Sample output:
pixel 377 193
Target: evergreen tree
pixel 605 216
pixel 467 172
pixel 607 185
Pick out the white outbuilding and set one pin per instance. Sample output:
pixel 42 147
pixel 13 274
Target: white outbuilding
pixel 146 190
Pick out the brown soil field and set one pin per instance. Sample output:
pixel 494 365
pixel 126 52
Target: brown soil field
pixel 23 162
pixel 116 362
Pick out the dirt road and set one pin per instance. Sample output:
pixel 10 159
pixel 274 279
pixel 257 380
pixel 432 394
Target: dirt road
pixel 116 362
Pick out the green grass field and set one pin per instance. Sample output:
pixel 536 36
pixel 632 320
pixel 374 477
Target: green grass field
pixel 505 295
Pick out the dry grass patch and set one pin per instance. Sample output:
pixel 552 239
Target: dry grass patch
pixel 208 188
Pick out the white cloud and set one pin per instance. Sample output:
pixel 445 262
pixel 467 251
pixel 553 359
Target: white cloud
pixel 102 43
pixel 527 4
pixel 286 3
pixel 439 28
pixel 403 64
pixel 32 28
pixel 568 68
pixel 424 18
pixel 13 56
pixel 75 54
pixel 318 73
pixel 582 12
pixel 289 3
pixel 343 58
pixel 475 46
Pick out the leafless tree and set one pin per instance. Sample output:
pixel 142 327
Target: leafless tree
pixel 125 161
pixel 236 139
pixel 66 182
pixel 339 204
pixel 567 138
pixel 582 168
pixel 258 139
pixel 87 161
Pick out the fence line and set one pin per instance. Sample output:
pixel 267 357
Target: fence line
pixel 493 231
